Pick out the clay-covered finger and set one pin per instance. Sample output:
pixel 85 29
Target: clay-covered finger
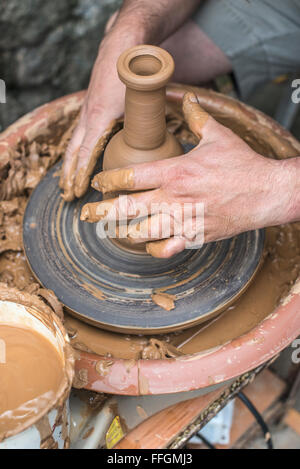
pixel 121 208
pixel 165 248
pixel 154 227
pixel 90 150
pixel 195 116
pixel 142 176
pixel 68 176
pixel 69 167
pixel 202 124
pixel 166 223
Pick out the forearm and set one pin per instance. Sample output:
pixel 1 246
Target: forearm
pixel 138 22
pixel 292 169
pixel 144 21
pixel 278 193
pixel 158 19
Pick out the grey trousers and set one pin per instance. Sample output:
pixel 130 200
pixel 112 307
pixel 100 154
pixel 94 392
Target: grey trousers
pixel 261 38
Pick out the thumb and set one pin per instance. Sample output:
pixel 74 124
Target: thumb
pixel 202 124
pixel 165 248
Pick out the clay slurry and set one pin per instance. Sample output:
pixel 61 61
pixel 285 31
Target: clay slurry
pixel 29 378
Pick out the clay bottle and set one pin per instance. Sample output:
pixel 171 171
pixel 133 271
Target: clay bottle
pixel 145 70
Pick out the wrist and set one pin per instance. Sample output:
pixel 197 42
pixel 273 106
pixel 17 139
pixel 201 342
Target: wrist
pixel 122 36
pixel 291 167
pixel 284 198
pixel 277 189
pixel 126 32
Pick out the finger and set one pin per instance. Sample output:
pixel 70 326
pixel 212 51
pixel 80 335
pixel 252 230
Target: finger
pixel 162 225
pixel 68 172
pixel 155 227
pixel 165 248
pixel 204 126
pixel 68 183
pixel 122 208
pixel 90 150
pixel 142 176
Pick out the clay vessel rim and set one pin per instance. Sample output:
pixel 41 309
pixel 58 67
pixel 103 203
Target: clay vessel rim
pixel 145 82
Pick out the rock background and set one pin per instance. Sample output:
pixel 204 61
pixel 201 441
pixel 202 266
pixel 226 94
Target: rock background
pixel 47 49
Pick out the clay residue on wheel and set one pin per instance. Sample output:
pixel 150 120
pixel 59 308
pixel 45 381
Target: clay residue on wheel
pixel 164 300
pixel 159 350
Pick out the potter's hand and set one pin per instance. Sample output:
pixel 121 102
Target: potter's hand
pixel 102 105
pixel 239 189
pixel 137 22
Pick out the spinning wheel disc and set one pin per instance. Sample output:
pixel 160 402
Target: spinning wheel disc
pixel 110 288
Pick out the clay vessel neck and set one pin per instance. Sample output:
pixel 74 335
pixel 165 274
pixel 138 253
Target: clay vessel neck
pixel 145 122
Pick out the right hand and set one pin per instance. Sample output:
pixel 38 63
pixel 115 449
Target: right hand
pixel 238 189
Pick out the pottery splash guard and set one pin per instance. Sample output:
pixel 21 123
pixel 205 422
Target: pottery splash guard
pixel 263 321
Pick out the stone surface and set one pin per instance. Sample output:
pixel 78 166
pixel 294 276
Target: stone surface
pixel 47 49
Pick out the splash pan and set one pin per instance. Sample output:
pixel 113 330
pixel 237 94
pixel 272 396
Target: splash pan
pixel 258 325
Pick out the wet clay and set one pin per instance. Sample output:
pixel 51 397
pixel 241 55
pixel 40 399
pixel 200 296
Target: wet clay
pixel 14 270
pixel 114 181
pixel 11 214
pixel 29 378
pixel 194 115
pixel 77 184
pixel 22 169
pixel 164 300
pixel 145 70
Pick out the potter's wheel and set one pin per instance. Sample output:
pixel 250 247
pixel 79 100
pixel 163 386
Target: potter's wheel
pixel 110 288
